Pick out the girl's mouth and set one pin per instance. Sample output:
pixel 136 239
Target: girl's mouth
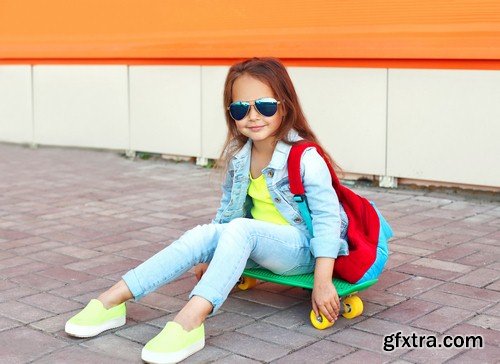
pixel 255 128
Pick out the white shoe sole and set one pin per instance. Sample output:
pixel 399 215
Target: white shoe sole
pixel 89 331
pixel 170 358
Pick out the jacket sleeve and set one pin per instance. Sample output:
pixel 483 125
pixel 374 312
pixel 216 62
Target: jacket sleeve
pixel 323 204
pixel 227 186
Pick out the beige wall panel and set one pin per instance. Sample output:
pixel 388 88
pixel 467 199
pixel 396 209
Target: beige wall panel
pixel 444 125
pixel 213 120
pixel 165 109
pixel 84 106
pixel 347 110
pixel 16 108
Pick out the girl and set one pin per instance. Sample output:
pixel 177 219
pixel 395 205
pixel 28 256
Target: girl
pixel 256 225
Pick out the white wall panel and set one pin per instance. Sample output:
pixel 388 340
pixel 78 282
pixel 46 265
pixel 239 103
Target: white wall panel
pixel 444 125
pixel 213 120
pixel 16 109
pixel 165 109
pixel 81 106
pixel 347 110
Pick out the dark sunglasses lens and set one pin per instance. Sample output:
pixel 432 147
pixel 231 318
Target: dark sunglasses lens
pixel 267 107
pixel 238 110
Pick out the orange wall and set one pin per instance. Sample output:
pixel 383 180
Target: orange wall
pixel 380 33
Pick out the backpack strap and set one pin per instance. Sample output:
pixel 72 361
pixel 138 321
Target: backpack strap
pixel 295 179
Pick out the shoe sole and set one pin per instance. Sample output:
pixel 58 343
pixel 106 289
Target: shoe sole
pixel 89 331
pixel 171 358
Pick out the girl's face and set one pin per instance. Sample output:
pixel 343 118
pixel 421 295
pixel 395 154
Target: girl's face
pixel 257 127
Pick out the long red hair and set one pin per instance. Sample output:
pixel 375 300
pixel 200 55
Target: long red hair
pixel 274 74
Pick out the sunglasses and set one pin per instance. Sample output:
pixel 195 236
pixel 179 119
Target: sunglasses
pixel 266 106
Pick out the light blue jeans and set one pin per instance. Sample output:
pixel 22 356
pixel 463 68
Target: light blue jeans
pixel 230 248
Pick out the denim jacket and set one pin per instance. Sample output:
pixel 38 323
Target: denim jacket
pixel 329 219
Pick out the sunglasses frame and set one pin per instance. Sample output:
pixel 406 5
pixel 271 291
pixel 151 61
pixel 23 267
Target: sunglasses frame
pixel 253 103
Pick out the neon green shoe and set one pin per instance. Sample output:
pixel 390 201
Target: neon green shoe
pixel 173 344
pixel 94 319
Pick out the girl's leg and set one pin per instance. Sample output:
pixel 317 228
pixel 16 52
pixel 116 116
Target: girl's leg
pixel 282 249
pixel 195 246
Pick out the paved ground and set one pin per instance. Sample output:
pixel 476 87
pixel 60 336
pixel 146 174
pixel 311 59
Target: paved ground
pixel 72 221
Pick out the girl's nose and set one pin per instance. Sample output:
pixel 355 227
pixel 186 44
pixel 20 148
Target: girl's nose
pixel 253 114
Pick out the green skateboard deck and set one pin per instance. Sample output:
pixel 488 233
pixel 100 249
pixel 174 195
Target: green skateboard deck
pixel 351 305
pixel 306 281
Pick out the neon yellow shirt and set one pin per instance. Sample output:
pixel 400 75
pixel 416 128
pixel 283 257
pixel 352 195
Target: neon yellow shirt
pixel 263 206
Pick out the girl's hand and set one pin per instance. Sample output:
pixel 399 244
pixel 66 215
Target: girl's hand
pixel 325 300
pixel 200 269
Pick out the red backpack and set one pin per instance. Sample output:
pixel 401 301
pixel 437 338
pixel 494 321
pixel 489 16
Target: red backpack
pixel 364 224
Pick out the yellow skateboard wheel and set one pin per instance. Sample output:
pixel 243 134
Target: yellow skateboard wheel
pixel 320 322
pixel 247 283
pixel 353 307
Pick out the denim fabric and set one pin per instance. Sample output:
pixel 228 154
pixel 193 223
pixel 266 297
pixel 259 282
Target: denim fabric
pixel 329 219
pixel 230 248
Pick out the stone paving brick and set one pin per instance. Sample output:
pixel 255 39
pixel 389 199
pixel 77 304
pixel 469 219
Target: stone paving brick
pixel 140 333
pixel 89 264
pixel 481 277
pixel 75 289
pixel 442 319
pixel 486 321
pixel 488 355
pixel 66 275
pixel 77 252
pixel 429 272
pixel 163 302
pixel 320 352
pixel 77 354
pixel 363 340
pixel 225 321
pixel 267 298
pixel 414 286
pixel 23 269
pixel 383 327
pixel 469 291
pixel 54 324
pixel 408 311
pixel 494 310
pixel 490 337
pixel 209 354
pixel 6 324
pixel 255 310
pixel 363 356
pixel 290 317
pixel 51 303
pixel 52 257
pixel 276 334
pixel 15 293
pixel 494 286
pixel 432 355
pixel 22 312
pixel 390 278
pixel 141 313
pixel 236 359
pixel 14 346
pixel 248 346
pixel 382 298
pixel 115 347
pixel 38 282
pixel 448 299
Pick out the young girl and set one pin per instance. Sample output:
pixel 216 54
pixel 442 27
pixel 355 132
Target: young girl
pixel 258 223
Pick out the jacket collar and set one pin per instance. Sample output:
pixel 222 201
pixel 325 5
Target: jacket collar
pixel 280 154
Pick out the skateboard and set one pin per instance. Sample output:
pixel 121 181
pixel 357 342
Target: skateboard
pixel 351 304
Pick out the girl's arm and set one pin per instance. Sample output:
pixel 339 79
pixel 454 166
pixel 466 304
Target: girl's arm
pixel 324 296
pixel 227 186
pixel 324 206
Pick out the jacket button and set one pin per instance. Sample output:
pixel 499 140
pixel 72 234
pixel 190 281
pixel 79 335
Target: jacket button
pixel 297 220
pixel 270 174
pixel 277 199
